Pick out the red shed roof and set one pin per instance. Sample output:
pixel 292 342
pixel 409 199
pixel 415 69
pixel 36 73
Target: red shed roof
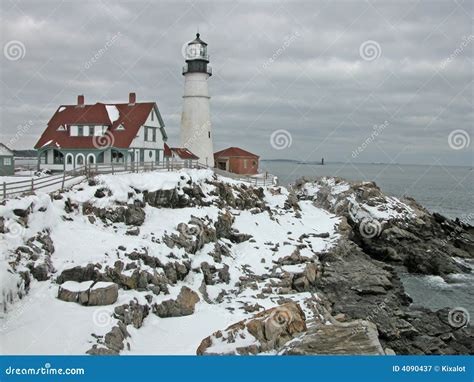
pixel 234 152
pixel 130 116
pixel 181 152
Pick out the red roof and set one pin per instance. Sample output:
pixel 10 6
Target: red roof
pixel 234 152
pixel 132 117
pixel 181 152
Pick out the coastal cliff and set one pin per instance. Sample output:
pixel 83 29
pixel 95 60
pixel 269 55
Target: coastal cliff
pixel 189 262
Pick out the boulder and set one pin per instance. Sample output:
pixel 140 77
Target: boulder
pixel 88 292
pixel 182 306
pixel 103 293
pixel 72 291
pixel 265 331
pixel 359 337
pixel 134 215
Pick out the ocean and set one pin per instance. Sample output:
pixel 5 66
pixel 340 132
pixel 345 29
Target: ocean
pixel 443 189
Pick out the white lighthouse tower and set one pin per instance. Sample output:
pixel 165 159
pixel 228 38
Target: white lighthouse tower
pixel 196 131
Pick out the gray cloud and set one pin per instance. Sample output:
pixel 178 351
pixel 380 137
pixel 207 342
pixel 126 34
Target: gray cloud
pixel 293 65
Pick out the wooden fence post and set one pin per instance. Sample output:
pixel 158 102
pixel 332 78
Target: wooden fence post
pixel 64 179
pixel 112 163
pixel 4 190
pixel 32 184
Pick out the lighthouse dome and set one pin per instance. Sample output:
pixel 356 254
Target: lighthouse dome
pixel 197 50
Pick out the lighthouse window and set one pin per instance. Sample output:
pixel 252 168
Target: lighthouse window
pixel 209 134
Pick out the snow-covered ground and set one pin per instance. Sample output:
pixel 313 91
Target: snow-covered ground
pixel 40 323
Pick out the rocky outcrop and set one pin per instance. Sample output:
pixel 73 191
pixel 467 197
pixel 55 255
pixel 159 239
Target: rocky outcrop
pixel 381 235
pixel 182 306
pixel 358 337
pixel 265 331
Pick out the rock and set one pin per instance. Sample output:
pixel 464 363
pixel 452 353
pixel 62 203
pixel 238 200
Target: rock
pixel 40 272
pixel 135 231
pixel 356 338
pixel 72 291
pixel 182 306
pixel 88 292
pixel 103 293
pixel 132 313
pixel 265 331
pixel 22 213
pixel 134 215
pixel 79 274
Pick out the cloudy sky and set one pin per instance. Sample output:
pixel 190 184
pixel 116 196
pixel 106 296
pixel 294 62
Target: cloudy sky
pixel 360 81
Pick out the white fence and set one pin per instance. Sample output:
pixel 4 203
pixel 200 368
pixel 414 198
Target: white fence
pixel 56 182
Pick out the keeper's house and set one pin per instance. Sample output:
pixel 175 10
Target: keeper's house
pixel 7 161
pixel 102 133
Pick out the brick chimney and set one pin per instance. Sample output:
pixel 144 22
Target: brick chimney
pixel 132 98
pixel 80 101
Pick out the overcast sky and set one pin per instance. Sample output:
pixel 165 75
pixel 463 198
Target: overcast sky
pixel 292 79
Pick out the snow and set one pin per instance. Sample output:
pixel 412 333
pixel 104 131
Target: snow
pixel 62 108
pixel 41 324
pixel 47 143
pixel 112 112
pixel 74 286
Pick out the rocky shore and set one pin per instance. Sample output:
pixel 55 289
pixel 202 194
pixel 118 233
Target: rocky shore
pixel 191 263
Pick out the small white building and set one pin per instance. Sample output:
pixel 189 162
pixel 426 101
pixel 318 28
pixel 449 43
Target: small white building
pixel 81 134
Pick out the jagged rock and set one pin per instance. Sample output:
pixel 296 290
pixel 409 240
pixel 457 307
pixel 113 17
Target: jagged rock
pixel 134 215
pixel 102 192
pixel 40 272
pixel 182 306
pixel 132 313
pixel 356 338
pixel 267 330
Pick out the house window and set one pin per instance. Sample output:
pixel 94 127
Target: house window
pixel 152 117
pixel 74 130
pixel 91 130
pixel 80 159
pixel 245 163
pixel 58 157
pixel 80 131
pixel 154 135
pixel 254 163
pixel 100 157
pixel 7 161
pixel 69 159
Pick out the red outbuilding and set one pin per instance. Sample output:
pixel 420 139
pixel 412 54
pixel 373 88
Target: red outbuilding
pixel 237 160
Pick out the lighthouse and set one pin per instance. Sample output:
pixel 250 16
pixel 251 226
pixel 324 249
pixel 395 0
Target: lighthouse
pixel 196 131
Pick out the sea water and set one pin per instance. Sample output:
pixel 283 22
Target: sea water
pixel 443 189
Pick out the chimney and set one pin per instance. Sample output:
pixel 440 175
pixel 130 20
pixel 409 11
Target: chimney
pixel 132 98
pixel 80 101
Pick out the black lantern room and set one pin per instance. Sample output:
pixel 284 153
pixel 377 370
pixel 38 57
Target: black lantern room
pixel 196 56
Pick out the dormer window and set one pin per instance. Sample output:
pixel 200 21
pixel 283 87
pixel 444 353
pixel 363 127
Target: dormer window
pixel 120 128
pixel 61 128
